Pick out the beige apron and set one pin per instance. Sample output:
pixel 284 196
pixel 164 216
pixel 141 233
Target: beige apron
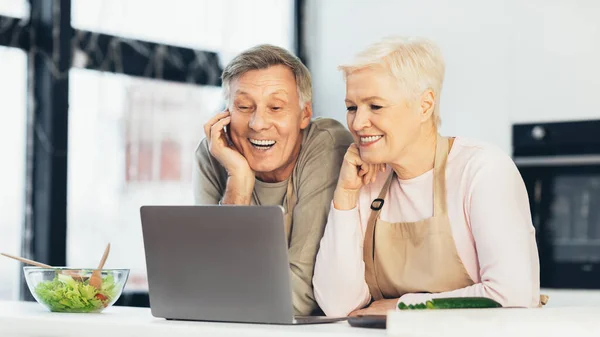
pixel 415 257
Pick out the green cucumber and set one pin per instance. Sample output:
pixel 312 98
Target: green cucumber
pixel 453 303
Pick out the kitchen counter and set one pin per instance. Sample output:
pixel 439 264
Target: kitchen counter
pixel 30 319
pixel 562 318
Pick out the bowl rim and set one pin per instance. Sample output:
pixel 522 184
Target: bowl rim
pixel 75 269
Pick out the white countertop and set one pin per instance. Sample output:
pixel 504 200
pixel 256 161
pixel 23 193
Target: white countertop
pixel 563 321
pixel 30 319
pixel 569 313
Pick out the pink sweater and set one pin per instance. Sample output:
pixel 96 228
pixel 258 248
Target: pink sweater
pixel 491 224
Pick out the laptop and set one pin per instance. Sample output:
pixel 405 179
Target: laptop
pixel 219 264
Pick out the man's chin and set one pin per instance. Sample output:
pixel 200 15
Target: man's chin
pixel 263 169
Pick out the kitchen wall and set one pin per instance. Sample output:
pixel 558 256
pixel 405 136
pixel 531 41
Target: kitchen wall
pixel 507 61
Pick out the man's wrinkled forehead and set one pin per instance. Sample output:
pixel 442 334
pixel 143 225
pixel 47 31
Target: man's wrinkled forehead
pixel 265 82
pixel 275 93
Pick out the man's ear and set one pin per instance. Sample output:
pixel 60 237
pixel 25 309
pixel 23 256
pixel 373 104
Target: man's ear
pixel 306 115
pixel 427 104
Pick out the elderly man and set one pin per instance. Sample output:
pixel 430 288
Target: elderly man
pixel 264 149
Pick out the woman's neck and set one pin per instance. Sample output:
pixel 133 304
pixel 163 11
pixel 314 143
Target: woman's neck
pixel 418 157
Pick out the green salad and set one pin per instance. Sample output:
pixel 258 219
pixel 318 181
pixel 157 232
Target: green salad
pixel 66 294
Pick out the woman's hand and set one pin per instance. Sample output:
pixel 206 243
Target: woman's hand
pixel 380 307
pixel 354 174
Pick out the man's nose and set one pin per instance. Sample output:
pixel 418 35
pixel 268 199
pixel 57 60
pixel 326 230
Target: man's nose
pixel 259 120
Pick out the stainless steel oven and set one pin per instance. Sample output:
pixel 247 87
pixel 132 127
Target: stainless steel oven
pixel 560 164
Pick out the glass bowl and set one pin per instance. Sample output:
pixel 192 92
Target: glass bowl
pixel 68 290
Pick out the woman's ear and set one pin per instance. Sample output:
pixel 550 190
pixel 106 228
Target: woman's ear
pixel 427 104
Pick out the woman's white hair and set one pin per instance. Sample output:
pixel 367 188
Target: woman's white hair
pixel 262 57
pixel 416 63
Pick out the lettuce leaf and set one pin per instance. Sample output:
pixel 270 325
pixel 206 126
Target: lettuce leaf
pixel 65 294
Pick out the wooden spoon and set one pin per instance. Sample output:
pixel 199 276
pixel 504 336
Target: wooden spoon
pixel 71 273
pixel 28 261
pixel 96 278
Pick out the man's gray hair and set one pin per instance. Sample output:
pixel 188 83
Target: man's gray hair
pixel 262 57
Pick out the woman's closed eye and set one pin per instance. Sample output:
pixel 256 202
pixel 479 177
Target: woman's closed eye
pixel 351 108
pixel 375 107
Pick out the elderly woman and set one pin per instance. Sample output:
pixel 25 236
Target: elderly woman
pixel 416 215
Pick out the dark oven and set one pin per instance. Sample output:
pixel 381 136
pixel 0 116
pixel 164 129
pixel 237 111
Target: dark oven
pixel 560 164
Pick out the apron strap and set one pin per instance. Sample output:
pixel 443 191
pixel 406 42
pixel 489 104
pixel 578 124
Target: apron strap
pixel 439 176
pixel 369 243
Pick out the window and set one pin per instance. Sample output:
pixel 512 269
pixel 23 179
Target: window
pixel 12 171
pixel 226 26
pixel 14 8
pixel 131 143
pixel 163 125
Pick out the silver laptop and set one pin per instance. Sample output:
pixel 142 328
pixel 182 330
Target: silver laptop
pixel 219 263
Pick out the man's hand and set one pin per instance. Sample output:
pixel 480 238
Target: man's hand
pixel 380 307
pixel 221 149
pixel 240 181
